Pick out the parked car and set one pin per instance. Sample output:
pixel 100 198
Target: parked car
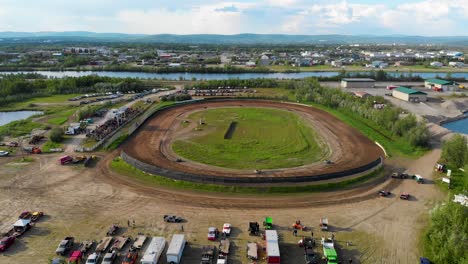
pixel 65 245
pixel 213 233
pixel 25 215
pixel 227 229
pixel 13 144
pixel 76 257
pixel 109 258
pixel 92 259
pixel 6 242
pixel 36 215
pixel 112 230
pixel 130 258
pixel 384 193
pixel 172 219
pixel 397 175
pixel 57 261
pixel 405 196
pixel 4 153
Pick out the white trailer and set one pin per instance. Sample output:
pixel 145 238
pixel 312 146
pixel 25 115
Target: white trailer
pixel 154 251
pixel 176 249
pixel 272 247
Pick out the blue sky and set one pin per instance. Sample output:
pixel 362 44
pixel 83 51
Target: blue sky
pixel 351 17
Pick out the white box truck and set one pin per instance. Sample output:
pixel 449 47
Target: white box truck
pixel 154 250
pixel 175 249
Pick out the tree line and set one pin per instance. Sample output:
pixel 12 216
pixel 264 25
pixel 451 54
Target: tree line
pixel 15 88
pixel 389 118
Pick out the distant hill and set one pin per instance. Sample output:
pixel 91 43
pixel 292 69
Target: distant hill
pixel 83 36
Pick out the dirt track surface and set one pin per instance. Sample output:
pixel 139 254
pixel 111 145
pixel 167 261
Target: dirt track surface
pixel 349 148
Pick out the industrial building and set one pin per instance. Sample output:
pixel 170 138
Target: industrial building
pixel 409 95
pixel 357 83
pixel 439 84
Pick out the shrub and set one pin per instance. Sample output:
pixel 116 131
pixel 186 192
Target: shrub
pixel 56 134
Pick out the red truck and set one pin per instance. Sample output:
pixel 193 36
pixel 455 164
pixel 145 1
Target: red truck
pixel 65 160
pixel 6 242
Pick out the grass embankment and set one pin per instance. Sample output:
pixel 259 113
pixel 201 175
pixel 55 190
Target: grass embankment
pixel 123 168
pixel 117 142
pixel 262 139
pixel 19 128
pixel 394 146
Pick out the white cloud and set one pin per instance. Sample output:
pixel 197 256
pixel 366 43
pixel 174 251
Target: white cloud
pixel 325 17
pixel 226 18
pixel 425 17
pixel 281 3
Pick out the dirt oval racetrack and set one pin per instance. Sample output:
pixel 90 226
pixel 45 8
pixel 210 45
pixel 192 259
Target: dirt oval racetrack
pixel 149 148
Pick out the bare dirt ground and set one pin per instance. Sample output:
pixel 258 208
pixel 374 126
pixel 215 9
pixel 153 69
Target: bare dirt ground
pixel 350 149
pixel 85 202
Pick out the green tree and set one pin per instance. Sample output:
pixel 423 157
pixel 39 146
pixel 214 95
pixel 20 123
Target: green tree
pixel 446 238
pixel 455 151
pixel 56 134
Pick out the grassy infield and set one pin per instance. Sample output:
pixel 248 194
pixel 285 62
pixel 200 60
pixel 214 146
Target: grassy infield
pixel 261 140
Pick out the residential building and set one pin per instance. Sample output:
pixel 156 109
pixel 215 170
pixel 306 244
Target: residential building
pixel 437 64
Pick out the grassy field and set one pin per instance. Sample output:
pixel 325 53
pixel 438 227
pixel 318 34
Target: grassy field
pixel 38 102
pixel 263 139
pixel 123 168
pixel 19 128
pixel 51 145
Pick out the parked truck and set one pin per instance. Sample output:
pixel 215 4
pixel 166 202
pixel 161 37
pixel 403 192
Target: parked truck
pixel 19 228
pixel 329 251
pixel 175 249
pixel 154 250
pixel 324 223
pixel 224 246
pixel 104 244
pixel 208 254
pixel 272 247
pixel 252 251
pixel 65 245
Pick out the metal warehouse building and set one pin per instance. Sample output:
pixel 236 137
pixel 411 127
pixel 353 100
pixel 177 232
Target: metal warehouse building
pixel 357 83
pixel 440 84
pixel 408 94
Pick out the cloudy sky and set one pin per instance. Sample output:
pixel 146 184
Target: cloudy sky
pixel 420 17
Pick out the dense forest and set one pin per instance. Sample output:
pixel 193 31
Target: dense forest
pixel 15 88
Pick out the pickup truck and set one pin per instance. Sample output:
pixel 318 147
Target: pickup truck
pixel 6 242
pixel 65 245
pixel 208 255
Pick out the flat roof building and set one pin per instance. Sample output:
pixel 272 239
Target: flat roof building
pixel 409 95
pixel 440 84
pixel 357 83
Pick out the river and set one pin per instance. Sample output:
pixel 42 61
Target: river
pixel 7 117
pixel 459 126
pixel 220 76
